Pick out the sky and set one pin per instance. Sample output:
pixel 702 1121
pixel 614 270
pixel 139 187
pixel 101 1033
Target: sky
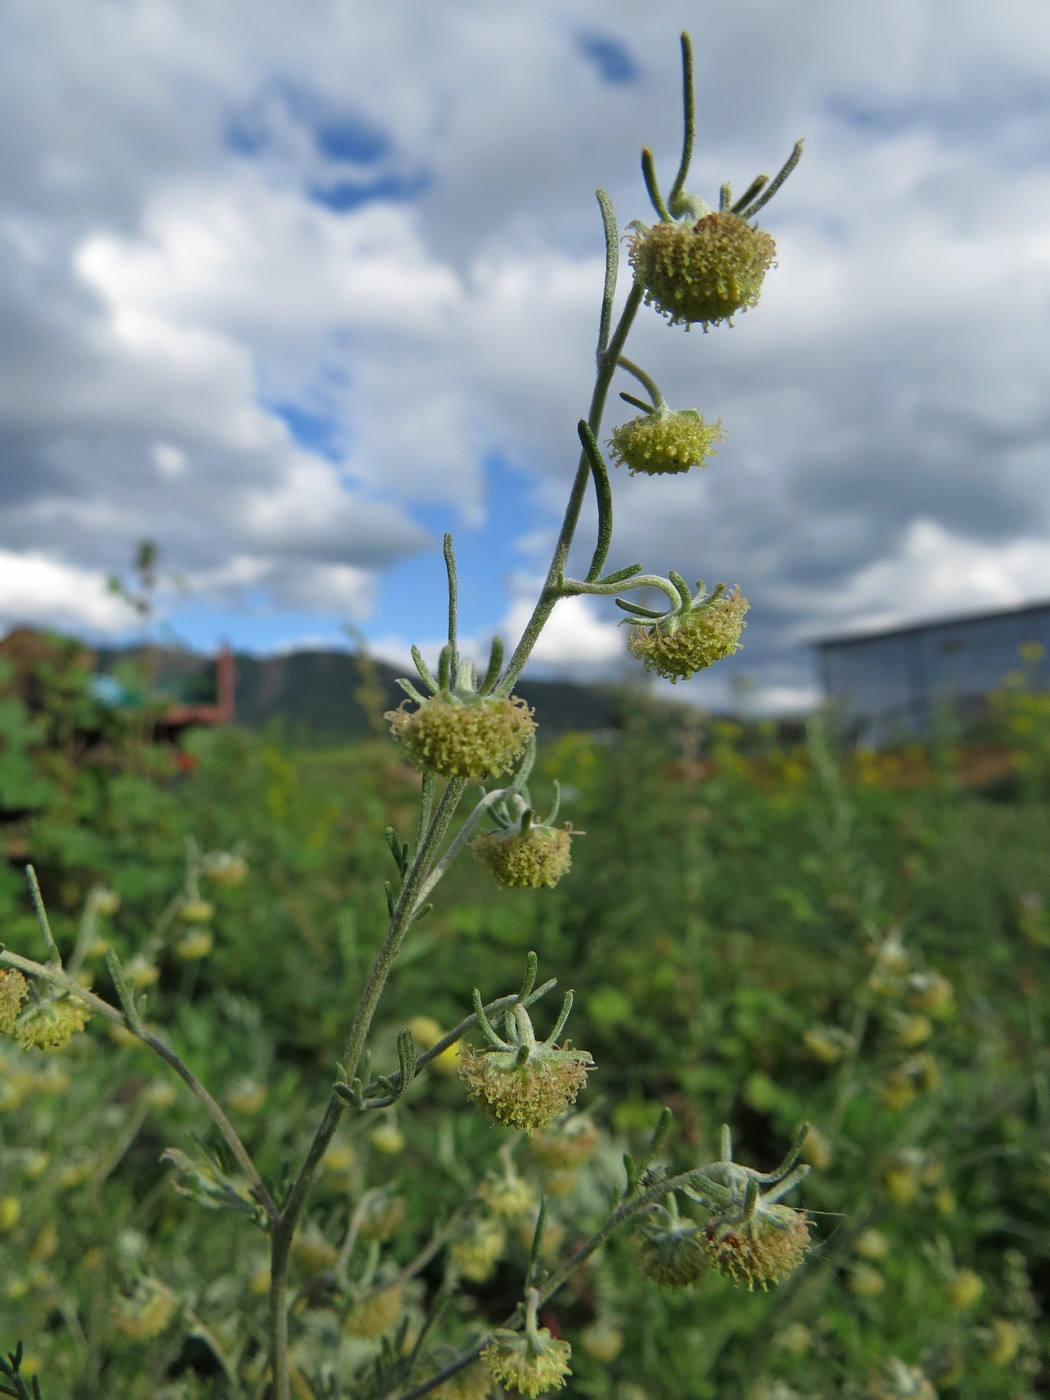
pixel 292 287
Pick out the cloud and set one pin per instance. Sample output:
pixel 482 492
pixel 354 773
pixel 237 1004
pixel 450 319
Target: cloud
pixel 37 591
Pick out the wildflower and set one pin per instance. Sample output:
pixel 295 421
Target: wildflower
pixel 477 1250
pixel 224 869
pixel 964 1288
pixel 13 991
pixel 426 1032
pixel 704 270
pixel 763 1247
pixel 664 442
pixel 197 911
pixel 197 944
pixel 567 1146
pixel 50 1025
pixel 525 1096
pixel 673 1257
pixel 529 1362
pixel 526 859
pixel 476 737
pixel 376 1315
pixel 508 1195
pixel 680 644
pixel 866 1282
pixel 382 1217
pixel 602 1340
pixel 145 1314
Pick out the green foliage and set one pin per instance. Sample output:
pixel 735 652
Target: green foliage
pixel 718 911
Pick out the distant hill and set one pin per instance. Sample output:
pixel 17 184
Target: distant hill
pixel 325 692
pixel 328 695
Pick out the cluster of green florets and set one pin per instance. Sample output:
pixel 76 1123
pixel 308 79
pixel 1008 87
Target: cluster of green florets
pixel 664 442
pixel 678 646
pixel 45 1024
pixel 761 1248
pixel 528 1363
pixel 528 859
pixel 524 1096
pixel 702 270
pixel 673 1257
pixel 477 737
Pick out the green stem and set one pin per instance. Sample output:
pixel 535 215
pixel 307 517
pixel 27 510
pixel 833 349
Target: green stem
pixel 551 592
pixel 688 125
pixel 658 400
pixel 284 1228
pixel 225 1127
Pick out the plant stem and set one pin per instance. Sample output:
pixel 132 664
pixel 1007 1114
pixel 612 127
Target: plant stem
pixel 551 591
pixel 284 1227
pixel 225 1127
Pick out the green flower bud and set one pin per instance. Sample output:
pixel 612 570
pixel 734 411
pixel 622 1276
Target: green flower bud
pixel 529 1364
pixel 524 1096
pixel 383 1217
pixel 568 1146
pixel 375 1316
pixel 526 859
pixel 662 443
pixel 678 646
pixel 146 1313
pixel 704 271
pixel 478 1249
pixel 509 1196
pixel 762 1248
pixel 478 737
pixel 674 1257
pixel 224 869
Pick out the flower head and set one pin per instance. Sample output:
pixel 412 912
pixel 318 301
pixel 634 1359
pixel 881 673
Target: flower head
pixel 13 991
pixel 673 1257
pixel 477 737
pixel 526 859
pixel 50 1025
pixel 530 1362
pixel 663 442
pixel 679 645
pixel 763 1247
pixel 524 1096
pixel 702 270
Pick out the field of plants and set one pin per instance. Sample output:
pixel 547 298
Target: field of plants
pixel 758 935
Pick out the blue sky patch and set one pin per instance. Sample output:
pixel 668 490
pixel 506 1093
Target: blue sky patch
pixel 316 432
pixel 611 58
pixel 351 138
pixel 344 196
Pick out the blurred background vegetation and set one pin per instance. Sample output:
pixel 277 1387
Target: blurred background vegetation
pixel 759 931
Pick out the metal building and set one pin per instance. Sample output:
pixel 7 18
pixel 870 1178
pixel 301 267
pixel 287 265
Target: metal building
pixel 890 684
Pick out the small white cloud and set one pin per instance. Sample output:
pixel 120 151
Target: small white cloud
pixel 575 642
pixel 37 591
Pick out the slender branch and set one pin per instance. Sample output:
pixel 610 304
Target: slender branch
pixel 688 125
pixel 770 190
pixel 169 1056
pixel 453 606
pixel 284 1228
pixel 602 496
pixel 549 595
pixel 658 400
pixel 612 267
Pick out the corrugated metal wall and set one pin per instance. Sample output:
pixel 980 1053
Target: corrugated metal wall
pixel 893 681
